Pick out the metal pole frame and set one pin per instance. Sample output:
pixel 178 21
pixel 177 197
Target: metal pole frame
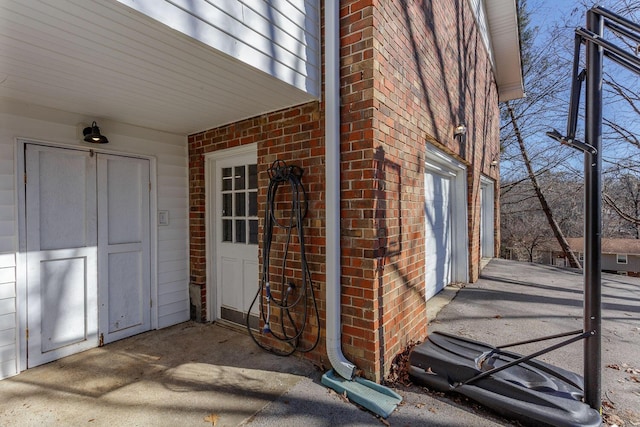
pixel 593 216
pixel 596 50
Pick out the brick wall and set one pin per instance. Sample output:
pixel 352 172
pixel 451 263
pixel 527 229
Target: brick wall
pixel 410 72
pixel 431 73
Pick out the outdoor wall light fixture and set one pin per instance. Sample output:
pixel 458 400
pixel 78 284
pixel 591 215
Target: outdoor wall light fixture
pixel 460 130
pixel 494 162
pixel 92 134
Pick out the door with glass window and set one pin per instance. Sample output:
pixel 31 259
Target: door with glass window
pixel 236 236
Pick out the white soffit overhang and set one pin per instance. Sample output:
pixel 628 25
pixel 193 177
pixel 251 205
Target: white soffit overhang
pixel 102 59
pixel 502 20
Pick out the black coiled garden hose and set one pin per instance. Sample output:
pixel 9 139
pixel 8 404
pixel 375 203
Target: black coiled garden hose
pixel 289 331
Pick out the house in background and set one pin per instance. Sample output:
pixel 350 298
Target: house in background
pixel 390 108
pixel 619 256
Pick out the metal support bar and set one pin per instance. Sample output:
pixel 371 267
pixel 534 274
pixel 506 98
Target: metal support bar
pixel 550 337
pixel 593 211
pixel 622 30
pixel 525 358
pixel 629 66
pixel 615 18
pixel 597 39
pixel 576 86
pixel 573 143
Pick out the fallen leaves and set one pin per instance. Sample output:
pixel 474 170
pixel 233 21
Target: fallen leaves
pixel 212 418
pixel 399 372
pixel 634 372
pixel 612 420
pixel 385 422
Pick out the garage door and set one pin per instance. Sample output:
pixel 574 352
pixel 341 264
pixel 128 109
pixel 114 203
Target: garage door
pixel 445 221
pixel 486 217
pixel 437 232
pixel 87 218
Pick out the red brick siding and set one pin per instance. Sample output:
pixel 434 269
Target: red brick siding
pixel 431 73
pixel 359 240
pixel 410 72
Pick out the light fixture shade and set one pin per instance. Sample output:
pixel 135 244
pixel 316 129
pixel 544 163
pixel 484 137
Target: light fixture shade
pixel 92 135
pixel 461 129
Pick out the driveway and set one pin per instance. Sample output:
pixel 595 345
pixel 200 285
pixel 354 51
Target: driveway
pixel 516 301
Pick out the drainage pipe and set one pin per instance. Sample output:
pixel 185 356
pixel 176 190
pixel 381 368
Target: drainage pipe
pixel 340 364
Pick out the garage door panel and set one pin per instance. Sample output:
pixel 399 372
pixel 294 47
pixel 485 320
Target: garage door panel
pixel 437 232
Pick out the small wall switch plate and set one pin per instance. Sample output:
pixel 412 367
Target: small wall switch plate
pixel 163 217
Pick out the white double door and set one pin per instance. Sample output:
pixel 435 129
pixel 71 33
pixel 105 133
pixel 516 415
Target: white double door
pixel 88 255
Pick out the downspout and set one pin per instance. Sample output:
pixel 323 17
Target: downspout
pixel 338 361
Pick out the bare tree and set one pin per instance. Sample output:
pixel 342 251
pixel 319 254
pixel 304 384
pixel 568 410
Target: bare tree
pixel 528 156
pixel 622 194
pixel 555 228
pixel 523 119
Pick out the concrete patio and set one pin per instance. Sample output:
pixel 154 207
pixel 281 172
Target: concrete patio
pixel 207 374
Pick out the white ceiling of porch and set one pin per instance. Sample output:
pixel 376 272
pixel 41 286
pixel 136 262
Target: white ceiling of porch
pixel 103 60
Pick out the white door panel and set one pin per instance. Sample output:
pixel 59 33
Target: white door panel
pixel 230 276
pixel 123 238
pixel 61 253
pixel 63 300
pixel 87 218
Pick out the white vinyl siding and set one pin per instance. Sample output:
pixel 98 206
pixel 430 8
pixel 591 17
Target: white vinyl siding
pixel 173 251
pixel 169 247
pixel 8 322
pixel 478 8
pixel 8 239
pixel 279 37
pixel 7 207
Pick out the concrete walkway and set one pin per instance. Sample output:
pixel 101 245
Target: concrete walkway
pixel 173 377
pixel 203 374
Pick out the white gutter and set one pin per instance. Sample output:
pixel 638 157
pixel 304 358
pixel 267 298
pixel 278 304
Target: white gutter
pixel 340 364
